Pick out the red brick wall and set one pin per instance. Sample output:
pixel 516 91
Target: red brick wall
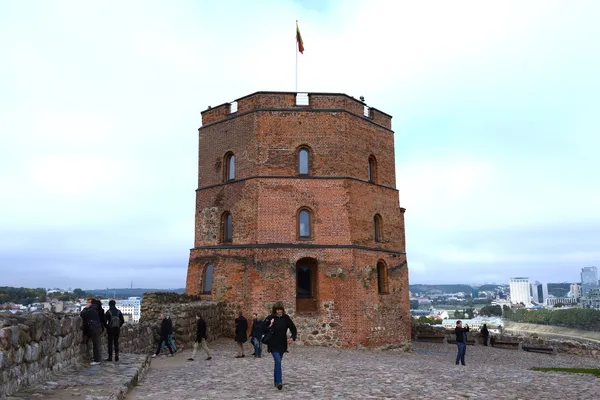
pixel 350 311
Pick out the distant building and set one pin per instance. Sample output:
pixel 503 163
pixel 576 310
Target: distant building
pixel 592 300
pixel 520 291
pixel 494 324
pixel 575 291
pixel 539 292
pixel 54 305
pixel 589 279
pixel 552 301
pixel 130 308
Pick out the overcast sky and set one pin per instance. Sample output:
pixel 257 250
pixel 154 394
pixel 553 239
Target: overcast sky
pixel 495 107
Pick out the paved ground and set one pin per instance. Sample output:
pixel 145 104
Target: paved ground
pixel 109 380
pixel 327 373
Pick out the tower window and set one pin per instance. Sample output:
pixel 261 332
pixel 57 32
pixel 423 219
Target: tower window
pixel 382 278
pixel 229 170
pixel 303 161
pixel 207 279
pixel 226 227
pixel 304 224
pixel 377 228
pixel 372 169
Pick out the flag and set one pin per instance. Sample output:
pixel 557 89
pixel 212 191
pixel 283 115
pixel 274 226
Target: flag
pixel 299 40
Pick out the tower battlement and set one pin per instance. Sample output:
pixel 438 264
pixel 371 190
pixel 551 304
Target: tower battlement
pixel 292 101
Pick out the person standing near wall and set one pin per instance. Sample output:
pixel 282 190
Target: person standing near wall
pixel 241 334
pixel 91 319
pixel 485 334
pixel 114 320
pixel 256 333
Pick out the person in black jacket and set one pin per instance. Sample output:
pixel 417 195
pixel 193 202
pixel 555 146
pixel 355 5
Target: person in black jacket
pixel 461 341
pixel 241 333
pixel 279 322
pixel 93 323
pixel 200 338
pixel 256 332
pixel 485 333
pixel 113 321
pixel 166 329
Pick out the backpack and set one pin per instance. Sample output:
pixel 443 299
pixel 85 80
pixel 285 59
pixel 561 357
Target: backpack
pixel 115 321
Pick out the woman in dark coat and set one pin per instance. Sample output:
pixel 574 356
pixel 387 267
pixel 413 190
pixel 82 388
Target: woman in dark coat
pixel 485 334
pixel 279 322
pixel 241 334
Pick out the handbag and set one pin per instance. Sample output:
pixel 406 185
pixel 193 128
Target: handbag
pixel 267 336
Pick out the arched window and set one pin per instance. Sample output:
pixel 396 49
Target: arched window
pixel 304 224
pixel 306 284
pixel 207 279
pixel 372 169
pixel 229 170
pixel 377 228
pixel 382 278
pixel 226 227
pixel 303 160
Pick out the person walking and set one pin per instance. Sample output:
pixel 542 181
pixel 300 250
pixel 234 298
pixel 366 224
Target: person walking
pixel 461 341
pixel 93 322
pixel 241 333
pixel 200 338
pixel 171 338
pixel 114 320
pixel 279 323
pixel 256 333
pixel 166 329
pixel 485 333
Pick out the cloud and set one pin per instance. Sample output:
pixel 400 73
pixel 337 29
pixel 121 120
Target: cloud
pixel 494 110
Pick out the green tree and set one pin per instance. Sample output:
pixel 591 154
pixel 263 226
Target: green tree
pixel 459 314
pixel 491 311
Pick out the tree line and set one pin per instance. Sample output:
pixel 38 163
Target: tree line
pixel 27 296
pixel 576 318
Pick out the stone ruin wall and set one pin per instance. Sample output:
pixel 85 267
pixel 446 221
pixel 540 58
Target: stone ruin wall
pixel 33 346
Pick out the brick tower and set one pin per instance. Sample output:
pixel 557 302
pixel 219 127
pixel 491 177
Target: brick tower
pixel 297 202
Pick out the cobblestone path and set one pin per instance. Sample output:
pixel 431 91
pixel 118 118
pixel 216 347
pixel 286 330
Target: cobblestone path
pixel 80 381
pixel 328 373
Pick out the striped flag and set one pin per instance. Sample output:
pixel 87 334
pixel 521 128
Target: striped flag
pixel 299 40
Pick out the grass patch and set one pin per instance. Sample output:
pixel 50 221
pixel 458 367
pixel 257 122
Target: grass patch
pixel 592 371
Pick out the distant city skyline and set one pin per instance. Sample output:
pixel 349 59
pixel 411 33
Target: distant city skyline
pixel 494 116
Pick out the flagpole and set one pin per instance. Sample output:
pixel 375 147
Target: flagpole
pixel 296 46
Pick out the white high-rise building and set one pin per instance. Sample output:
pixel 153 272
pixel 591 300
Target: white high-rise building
pixel 130 308
pixel 575 291
pixel 520 291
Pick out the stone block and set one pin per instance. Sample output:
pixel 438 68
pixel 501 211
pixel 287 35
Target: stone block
pixel 19 354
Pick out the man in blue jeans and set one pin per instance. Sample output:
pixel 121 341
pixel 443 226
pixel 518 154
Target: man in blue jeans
pixel 461 341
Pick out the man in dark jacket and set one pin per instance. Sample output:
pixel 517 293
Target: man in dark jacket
pixel 166 329
pixel 93 323
pixel 114 320
pixel 485 334
pixel 461 341
pixel 200 338
pixel 256 332
pixel 241 333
